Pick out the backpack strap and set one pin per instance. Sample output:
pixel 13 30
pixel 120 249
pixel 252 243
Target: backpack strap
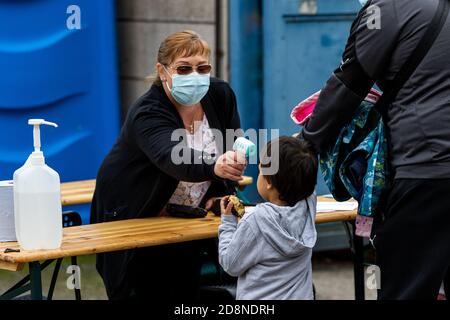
pixel 410 66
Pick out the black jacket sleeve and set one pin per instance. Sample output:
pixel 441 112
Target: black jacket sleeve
pixel 153 130
pixel 364 61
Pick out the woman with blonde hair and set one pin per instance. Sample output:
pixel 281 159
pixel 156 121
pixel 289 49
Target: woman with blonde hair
pixel 140 176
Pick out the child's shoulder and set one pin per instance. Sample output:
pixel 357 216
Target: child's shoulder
pixel 251 212
pixel 266 208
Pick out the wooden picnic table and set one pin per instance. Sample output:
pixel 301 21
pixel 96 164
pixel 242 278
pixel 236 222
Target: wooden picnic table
pixel 81 192
pixel 131 234
pixel 120 235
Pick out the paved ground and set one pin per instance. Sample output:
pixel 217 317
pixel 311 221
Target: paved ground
pixel 333 277
pixel 91 284
pixel 332 274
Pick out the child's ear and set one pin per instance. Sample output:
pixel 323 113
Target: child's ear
pixel 269 186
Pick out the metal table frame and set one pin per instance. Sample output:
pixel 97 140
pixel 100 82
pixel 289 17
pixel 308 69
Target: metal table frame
pixel 33 282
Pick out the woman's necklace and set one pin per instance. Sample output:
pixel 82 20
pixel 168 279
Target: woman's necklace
pixel 191 126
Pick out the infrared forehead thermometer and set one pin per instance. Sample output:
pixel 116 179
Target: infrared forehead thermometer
pixel 245 147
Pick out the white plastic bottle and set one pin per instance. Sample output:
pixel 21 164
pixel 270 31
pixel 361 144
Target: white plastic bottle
pixel 37 199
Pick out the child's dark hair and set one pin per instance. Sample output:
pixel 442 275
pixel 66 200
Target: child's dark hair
pixel 296 177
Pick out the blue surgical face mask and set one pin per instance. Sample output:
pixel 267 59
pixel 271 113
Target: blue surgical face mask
pixel 363 2
pixel 189 89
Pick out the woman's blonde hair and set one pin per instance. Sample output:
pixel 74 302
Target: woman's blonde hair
pixel 186 43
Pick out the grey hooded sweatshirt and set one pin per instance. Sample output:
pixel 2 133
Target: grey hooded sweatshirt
pixel 270 250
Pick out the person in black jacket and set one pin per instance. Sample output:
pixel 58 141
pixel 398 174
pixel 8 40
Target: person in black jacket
pixel 142 173
pixel 413 239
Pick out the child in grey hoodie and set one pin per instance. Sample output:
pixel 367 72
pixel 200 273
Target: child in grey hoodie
pixel 270 248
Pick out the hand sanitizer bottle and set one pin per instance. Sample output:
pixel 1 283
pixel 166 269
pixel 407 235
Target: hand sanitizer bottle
pixel 37 199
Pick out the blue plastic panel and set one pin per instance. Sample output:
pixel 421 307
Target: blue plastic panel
pixel 296 52
pixel 301 50
pixel 246 70
pixel 300 53
pixel 65 76
pixel 280 55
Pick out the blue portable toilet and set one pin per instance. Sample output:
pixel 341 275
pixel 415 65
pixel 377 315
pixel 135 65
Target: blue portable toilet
pixel 58 62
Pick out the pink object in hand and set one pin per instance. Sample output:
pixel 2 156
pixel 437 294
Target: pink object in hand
pixel 304 109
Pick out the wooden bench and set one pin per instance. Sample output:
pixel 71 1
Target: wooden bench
pixel 81 192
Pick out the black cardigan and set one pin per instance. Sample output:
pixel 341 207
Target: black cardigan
pixel 137 178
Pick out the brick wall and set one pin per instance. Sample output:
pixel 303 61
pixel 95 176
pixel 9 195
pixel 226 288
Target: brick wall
pixel 143 24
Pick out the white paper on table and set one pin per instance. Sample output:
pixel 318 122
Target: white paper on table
pixel 323 206
pixel 7 228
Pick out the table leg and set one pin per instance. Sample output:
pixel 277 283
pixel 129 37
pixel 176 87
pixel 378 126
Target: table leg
pixel 54 278
pixel 35 281
pixel 77 291
pixel 358 245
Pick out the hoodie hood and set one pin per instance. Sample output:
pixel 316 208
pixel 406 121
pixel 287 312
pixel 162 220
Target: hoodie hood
pixel 289 229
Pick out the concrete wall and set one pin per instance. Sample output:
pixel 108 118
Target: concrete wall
pixel 143 24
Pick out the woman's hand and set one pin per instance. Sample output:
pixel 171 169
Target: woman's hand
pixel 226 210
pixel 209 204
pixel 230 166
